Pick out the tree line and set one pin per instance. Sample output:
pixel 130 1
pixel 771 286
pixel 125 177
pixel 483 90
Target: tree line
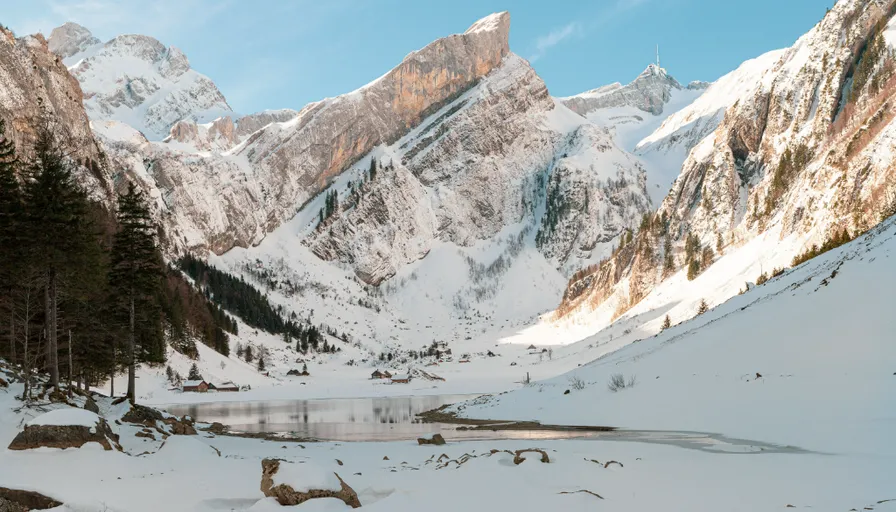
pixel 83 288
pixel 78 282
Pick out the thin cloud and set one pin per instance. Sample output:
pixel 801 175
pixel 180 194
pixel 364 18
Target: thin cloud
pixel 555 37
pixel 577 29
pixel 108 18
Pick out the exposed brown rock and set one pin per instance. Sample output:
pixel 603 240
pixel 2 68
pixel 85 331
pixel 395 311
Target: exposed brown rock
pixel 68 436
pixel 90 405
pixel 143 415
pixel 436 439
pixel 287 496
pixel 17 500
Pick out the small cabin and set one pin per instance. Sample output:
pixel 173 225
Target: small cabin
pixel 376 374
pixel 195 386
pixel 531 347
pixel 228 387
pixel 401 379
pixel 387 375
pixel 211 386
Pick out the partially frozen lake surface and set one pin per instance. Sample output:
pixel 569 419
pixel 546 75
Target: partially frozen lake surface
pixel 395 419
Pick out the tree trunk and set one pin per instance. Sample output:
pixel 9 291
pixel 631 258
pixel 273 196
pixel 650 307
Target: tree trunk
pixel 52 349
pixel 70 363
pixel 12 330
pixel 132 363
pixel 26 392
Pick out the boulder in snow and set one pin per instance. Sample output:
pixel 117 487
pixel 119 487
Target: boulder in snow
pixel 436 439
pixel 65 428
pixel 91 406
pixel 15 500
pixel 293 484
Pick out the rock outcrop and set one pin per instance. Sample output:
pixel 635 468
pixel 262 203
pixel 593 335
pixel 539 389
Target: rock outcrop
pixel 65 436
pixel 286 495
pixel 436 440
pixel 36 86
pixel 15 500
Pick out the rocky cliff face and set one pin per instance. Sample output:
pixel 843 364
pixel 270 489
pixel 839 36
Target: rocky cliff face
pixel 285 163
pixel 804 149
pixel 35 85
pixel 137 80
pixel 465 133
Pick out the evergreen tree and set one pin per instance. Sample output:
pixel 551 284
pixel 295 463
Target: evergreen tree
pixel 668 258
pixel 135 278
pixel 373 169
pixel 305 368
pixel 56 228
pixel 250 356
pixel 11 213
pixel 703 307
pixel 194 373
pixel 667 323
pixel 693 270
pixel 261 365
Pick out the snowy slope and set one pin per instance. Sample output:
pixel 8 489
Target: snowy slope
pixel 793 362
pixel 665 147
pixel 634 111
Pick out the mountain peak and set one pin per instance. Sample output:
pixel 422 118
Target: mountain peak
pixel 656 73
pixel 70 39
pixel 499 21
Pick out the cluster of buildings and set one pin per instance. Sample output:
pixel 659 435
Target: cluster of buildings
pixel 201 386
pixel 395 379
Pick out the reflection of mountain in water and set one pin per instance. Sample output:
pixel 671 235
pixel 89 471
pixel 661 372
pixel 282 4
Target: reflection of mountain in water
pixel 338 419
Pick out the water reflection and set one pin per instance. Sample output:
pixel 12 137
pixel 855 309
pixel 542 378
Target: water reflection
pixel 353 419
pixel 395 419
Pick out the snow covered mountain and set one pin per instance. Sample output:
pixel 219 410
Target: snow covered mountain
pixel 466 129
pixel 801 152
pixel 137 80
pixel 634 111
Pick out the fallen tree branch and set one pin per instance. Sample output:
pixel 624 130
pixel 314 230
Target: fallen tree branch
pixel 586 491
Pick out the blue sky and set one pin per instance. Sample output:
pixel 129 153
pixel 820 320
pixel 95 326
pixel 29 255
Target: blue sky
pixel 286 53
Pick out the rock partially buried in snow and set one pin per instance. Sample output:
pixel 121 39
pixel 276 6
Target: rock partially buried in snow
pixel 91 406
pixel 293 484
pixel 436 439
pixel 14 500
pixel 65 428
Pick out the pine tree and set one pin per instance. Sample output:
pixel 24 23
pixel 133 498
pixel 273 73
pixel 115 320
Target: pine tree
pixel 261 365
pixel 135 278
pixel 703 307
pixel 10 223
pixel 668 258
pixel 250 356
pixel 667 323
pixel 194 373
pixel 693 270
pixel 56 228
pixel 373 169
